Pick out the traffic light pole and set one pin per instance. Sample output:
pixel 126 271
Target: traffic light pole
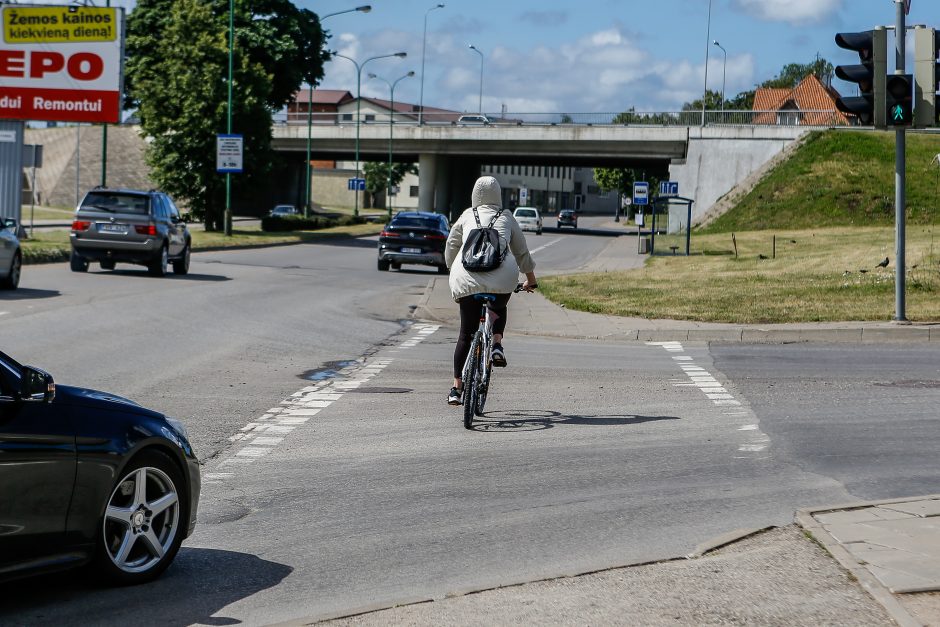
pixel 900 165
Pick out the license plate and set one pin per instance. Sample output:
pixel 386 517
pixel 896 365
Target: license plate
pixel 411 251
pixel 112 228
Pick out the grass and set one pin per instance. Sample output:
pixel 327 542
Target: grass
pixel 818 275
pixel 54 245
pixel 841 178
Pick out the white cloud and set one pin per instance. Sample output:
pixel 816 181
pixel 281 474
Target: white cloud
pixel 791 11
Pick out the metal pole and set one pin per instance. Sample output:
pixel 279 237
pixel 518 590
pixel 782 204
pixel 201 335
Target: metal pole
pixel 78 159
pixel 424 46
pixel 900 166
pixel 228 175
pixel 104 141
pixel 708 36
pixel 358 106
pixel 724 74
pixel 309 129
pixel 32 205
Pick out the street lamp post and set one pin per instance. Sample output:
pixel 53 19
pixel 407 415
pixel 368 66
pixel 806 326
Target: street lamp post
pixel 227 227
pixel 724 73
pixel 391 118
pixel 708 36
pixel 363 9
pixel 477 50
pixel 424 45
pixel 359 66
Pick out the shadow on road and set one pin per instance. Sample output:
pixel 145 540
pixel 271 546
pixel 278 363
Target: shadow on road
pixel 25 293
pixel 192 276
pixel 513 420
pixel 198 584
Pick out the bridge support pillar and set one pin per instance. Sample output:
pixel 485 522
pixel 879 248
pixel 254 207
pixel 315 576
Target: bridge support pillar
pixel 427 179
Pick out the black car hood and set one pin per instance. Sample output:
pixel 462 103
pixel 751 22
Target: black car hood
pixel 102 400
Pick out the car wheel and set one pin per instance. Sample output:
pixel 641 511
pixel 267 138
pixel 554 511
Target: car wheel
pixel 144 520
pixel 181 265
pixel 383 265
pixel 158 266
pixel 12 279
pixel 538 231
pixel 78 263
pixel 396 266
pixel 107 264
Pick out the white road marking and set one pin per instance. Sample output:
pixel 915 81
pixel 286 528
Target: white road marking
pixel 265 433
pixel 544 246
pixel 714 391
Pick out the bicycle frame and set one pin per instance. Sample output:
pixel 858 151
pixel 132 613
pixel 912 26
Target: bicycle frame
pixel 479 363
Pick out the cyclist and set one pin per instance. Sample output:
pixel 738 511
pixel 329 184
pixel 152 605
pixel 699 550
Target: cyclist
pixel 487 198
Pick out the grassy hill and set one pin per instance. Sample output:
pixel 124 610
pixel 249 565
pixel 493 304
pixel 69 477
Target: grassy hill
pixel 841 178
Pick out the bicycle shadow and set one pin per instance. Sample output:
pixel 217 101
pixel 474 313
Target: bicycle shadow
pixel 514 420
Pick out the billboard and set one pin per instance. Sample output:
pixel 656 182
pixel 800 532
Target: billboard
pixel 61 63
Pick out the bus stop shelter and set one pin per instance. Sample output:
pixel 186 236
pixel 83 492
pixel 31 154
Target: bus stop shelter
pixel 671 225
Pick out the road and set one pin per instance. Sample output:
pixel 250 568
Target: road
pixel 592 453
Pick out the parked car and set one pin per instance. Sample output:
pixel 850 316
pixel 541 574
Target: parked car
pixel 11 257
pixel 567 217
pixel 529 219
pixel 414 237
pixel 129 226
pixel 474 120
pixel 89 477
pixel 284 210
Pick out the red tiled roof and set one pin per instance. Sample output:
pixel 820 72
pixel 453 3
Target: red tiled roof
pixel 818 100
pixel 324 96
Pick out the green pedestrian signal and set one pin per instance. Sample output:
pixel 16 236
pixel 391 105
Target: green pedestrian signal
pixel 899 99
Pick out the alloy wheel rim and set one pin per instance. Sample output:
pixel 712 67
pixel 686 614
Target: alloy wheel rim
pixel 15 271
pixel 141 520
pixel 164 259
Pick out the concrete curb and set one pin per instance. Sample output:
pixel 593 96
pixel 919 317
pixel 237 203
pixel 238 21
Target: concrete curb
pixel 804 518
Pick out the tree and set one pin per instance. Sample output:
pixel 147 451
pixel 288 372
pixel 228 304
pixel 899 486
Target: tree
pixel 621 180
pixel 177 73
pixel 376 174
pixel 792 73
pixel 712 102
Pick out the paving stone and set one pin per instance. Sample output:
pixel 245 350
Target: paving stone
pixel 917 508
pixel 848 516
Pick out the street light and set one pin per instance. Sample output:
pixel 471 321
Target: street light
pixel 724 68
pixel 400 55
pixel 363 9
pixel 391 117
pixel 424 46
pixel 708 36
pixel 477 50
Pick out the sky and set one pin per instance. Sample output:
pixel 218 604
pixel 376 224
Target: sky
pixel 592 56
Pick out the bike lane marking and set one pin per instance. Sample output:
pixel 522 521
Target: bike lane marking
pixel 263 434
pixel 544 246
pixel 755 440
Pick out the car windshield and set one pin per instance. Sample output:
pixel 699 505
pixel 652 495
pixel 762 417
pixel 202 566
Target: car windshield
pixel 116 202
pixel 525 213
pixel 415 223
pixel 283 209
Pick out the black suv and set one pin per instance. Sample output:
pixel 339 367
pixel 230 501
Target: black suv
pixel 129 226
pixel 414 237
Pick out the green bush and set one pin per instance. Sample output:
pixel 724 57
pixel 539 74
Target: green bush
pixel 299 223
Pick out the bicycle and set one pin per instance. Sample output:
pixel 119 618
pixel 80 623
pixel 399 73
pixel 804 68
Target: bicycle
pixel 479 365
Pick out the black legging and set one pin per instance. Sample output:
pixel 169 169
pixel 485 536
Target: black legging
pixel 470 308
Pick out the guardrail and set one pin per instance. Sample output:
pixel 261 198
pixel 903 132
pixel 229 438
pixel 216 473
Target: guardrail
pixel 631 118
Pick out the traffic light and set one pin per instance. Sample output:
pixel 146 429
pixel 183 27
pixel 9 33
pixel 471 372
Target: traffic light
pixel 899 100
pixel 926 75
pixel 872 49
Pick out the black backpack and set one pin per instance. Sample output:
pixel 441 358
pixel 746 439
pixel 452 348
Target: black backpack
pixel 484 250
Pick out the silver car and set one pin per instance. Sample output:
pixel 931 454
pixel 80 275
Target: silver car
pixel 129 226
pixel 11 257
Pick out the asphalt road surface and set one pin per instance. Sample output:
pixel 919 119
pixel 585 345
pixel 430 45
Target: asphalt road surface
pixel 337 476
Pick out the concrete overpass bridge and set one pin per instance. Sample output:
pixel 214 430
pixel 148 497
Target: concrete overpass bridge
pixel 707 161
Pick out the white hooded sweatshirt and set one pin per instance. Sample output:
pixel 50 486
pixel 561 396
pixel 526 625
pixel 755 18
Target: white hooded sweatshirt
pixel 487 198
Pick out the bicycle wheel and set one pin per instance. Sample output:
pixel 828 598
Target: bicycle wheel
pixel 470 382
pixel 483 385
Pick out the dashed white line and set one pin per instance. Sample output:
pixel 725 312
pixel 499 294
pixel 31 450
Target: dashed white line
pixel 544 246
pixel 263 434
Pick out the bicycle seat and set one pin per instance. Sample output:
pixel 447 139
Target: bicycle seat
pixel 489 297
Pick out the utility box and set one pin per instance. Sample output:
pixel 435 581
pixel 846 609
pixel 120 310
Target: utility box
pixel 643 246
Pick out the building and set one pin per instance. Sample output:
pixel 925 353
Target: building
pixel 811 103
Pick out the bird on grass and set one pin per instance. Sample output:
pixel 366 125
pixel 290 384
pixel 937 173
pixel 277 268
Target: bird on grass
pixel 863 270
pixel 884 263
pixel 763 257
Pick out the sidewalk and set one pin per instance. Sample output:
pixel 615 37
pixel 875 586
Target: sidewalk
pixel 889 549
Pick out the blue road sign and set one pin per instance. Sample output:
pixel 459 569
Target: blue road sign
pixel 641 193
pixel 354 183
pixel 668 188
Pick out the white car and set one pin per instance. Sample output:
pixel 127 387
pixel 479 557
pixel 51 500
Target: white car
pixel 474 120
pixel 529 219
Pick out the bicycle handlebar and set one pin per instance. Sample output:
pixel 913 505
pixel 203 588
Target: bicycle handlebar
pixel 519 288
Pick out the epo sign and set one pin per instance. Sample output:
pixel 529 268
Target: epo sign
pixel 61 63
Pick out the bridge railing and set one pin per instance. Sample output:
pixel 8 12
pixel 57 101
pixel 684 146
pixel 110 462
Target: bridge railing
pixel 631 118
